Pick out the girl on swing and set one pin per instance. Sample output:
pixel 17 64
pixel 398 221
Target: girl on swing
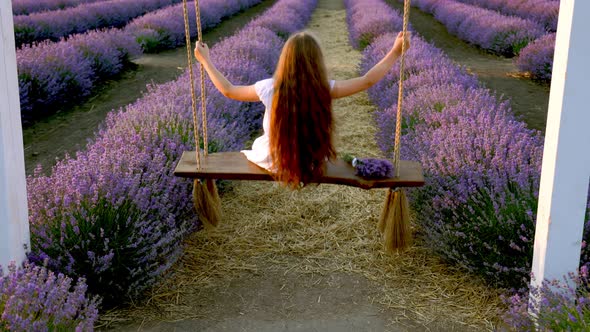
pixel 298 121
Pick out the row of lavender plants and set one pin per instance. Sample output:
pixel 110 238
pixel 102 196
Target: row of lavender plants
pixel 544 12
pixel 482 168
pixel 164 29
pixel 25 7
pixel 51 74
pixel 54 25
pixel 34 299
pixel 114 213
pixel 488 29
pixel 537 58
pixel 481 164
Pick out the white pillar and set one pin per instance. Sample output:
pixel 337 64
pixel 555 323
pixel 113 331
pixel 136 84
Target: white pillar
pixel 14 224
pixel 566 158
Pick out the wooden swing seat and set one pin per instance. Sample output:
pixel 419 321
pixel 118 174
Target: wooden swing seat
pixel 235 166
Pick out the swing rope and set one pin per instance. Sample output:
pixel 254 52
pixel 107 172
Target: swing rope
pixel 398 122
pixel 398 125
pixel 205 195
pixel 394 221
pixel 192 84
pixel 191 78
pixel 203 99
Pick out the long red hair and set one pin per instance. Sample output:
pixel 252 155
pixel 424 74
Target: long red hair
pixel 301 115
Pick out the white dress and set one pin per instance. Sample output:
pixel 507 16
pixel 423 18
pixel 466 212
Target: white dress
pixel 260 153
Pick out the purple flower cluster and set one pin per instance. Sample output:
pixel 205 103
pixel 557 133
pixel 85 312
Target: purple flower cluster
pixel 25 7
pixel 56 24
pixel 164 29
pixel 563 305
pixel 115 213
pixel 482 165
pixel 293 19
pixel 488 29
pixel 51 74
pixel 373 168
pixel 544 12
pixel 32 298
pixel 537 57
pixel 372 21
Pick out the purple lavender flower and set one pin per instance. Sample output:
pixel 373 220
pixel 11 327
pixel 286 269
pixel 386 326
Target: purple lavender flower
pixel 164 28
pixel 537 57
pixel 66 71
pixel 32 298
pixel 544 12
pixel 49 72
pixel 373 168
pixel 563 305
pixel 25 7
pixel 56 24
pixel 488 29
pixel 369 20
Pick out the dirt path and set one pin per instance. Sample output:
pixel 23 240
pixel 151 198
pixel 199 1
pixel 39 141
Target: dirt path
pixel 311 260
pixel 68 130
pixel 529 100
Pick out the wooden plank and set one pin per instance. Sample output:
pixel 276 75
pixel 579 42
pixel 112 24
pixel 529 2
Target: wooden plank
pixel 235 166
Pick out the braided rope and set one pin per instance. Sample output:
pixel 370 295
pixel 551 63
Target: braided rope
pixel 398 123
pixel 192 85
pixel 203 99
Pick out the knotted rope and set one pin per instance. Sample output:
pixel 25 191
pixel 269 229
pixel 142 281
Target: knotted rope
pixel 192 86
pixel 398 122
pixel 190 74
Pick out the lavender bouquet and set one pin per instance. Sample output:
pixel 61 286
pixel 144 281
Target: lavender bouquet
pixel 370 167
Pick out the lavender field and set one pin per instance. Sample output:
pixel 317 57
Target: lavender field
pixel 114 232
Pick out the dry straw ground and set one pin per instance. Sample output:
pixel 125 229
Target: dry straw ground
pixel 323 230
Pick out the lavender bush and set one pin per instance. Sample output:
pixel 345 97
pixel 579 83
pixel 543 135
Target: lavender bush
pixel 425 65
pixel 54 25
pixel 164 29
pixel 25 7
pixel 372 21
pixel 544 12
pixel 482 165
pixel 32 298
pixel 505 35
pixel 292 20
pixel 537 58
pixel 51 74
pixel 48 70
pixel 115 214
pixel 564 305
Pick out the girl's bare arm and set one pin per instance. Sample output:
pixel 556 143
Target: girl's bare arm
pixel 237 92
pixel 349 87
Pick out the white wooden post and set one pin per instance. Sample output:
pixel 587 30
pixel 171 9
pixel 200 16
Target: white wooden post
pixel 14 224
pixel 566 158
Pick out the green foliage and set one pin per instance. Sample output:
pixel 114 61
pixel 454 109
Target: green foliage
pixel 97 242
pixel 365 40
pixel 493 233
pixel 149 44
